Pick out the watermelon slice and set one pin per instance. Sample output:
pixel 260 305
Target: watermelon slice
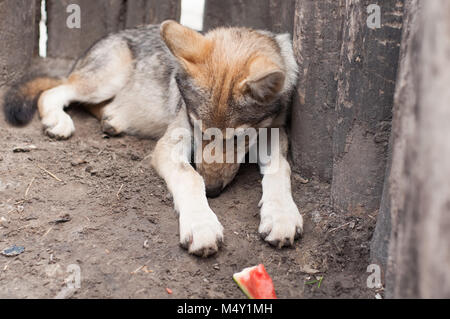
pixel 256 283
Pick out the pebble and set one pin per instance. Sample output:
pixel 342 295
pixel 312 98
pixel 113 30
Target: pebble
pixel 316 218
pixel 78 161
pixel 13 251
pixel 24 149
pixel 309 270
pixel 300 179
pixel 135 157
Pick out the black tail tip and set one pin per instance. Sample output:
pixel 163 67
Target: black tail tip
pixel 18 109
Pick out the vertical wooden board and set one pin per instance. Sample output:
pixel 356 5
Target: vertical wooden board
pixel 36 28
pixel 420 190
pixel 158 11
pixel 317 46
pixel 250 13
pixel 402 261
pixel 140 12
pixel 135 13
pixel 392 217
pixel 369 59
pixel 269 15
pixel 429 194
pixel 98 18
pixel 282 15
pixel 17 37
pixel 379 245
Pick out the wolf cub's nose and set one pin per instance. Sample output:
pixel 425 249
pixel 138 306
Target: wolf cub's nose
pixel 214 191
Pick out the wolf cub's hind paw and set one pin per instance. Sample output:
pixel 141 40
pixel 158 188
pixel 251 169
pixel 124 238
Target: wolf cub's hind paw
pixel 59 127
pixel 110 129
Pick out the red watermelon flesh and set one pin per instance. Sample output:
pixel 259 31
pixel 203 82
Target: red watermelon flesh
pixel 256 283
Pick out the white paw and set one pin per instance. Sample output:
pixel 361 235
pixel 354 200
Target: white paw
pixel 200 232
pixel 281 223
pixel 111 126
pixel 58 125
pixel 115 120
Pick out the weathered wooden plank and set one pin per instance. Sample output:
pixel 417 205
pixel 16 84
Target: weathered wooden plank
pixel 17 37
pixel 282 14
pixel 98 18
pixel 151 11
pixel 366 85
pixel 273 15
pixel 317 46
pixel 379 246
pixel 429 194
pixel 420 190
pixel 36 28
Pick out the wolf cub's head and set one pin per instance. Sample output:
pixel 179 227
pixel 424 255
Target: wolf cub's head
pixel 230 78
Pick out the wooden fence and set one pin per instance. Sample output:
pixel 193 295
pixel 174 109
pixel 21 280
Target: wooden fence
pixel 342 109
pixel 17 38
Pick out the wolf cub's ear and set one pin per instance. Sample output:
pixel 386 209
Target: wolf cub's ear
pixel 265 79
pixel 185 44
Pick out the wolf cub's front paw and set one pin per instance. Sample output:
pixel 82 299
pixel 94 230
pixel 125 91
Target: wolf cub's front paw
pixel 200 232
pixel 281 223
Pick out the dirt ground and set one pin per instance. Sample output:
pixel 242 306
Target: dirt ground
pixel 111 216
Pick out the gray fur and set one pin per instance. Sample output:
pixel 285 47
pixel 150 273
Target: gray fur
pixel 158 86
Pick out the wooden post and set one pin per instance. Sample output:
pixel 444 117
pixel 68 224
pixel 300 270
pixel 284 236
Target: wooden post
pixel 420 189
pixel 272 15
pixel 17 36
pixel 151 11
pixel 317 46
pixel 403 128
pixel 366 85
pixel 98 18
pixel 379 246
pixel 36 28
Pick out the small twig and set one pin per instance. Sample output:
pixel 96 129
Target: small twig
pixel 146 270
pixel 46 233
pixel 339 227
pixel 136 271
pixel 50 173
pixel 101 151
pixel 118 193
pixel 28 188
pixel 6 266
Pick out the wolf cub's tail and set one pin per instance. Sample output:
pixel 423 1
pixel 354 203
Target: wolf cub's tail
pixel 21 99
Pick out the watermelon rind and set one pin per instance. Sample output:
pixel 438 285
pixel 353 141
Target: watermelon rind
pixel 239 275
